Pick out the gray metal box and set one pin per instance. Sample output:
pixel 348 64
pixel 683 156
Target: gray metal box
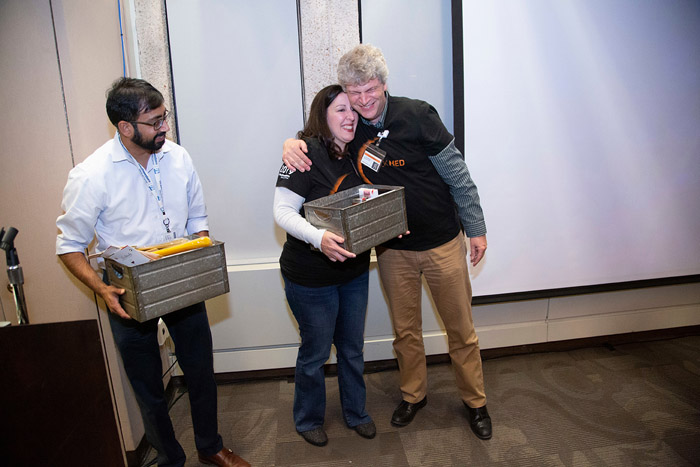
pixel 362 224
pixel 170 283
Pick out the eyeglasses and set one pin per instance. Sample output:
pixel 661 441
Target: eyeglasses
pixel 158 124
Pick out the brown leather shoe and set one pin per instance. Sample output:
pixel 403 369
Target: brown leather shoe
pixel 224 458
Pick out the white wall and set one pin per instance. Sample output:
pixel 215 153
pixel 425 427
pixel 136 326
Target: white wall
pixel 581 132
pixel 417 48
pixel 234 107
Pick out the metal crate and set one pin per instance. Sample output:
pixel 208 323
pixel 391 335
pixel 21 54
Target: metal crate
pixel 170 283
pixel 362 224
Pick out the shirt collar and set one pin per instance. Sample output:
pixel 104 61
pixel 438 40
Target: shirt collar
pixel 380 122
pixel 119 152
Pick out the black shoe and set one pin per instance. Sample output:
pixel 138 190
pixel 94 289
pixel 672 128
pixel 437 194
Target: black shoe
pixel 404 413
pixel 366 430
pixel 479 421
pixel 317 436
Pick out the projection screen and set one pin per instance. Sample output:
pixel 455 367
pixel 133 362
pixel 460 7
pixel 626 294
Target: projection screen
pixel 582 132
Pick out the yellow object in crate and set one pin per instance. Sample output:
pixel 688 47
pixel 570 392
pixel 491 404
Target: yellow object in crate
pixel 186 246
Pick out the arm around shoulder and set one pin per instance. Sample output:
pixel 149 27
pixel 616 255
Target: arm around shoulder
pixel 294 155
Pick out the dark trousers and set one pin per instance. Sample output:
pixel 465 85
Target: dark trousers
pixel 138 346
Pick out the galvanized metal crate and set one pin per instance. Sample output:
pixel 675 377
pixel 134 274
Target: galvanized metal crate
pixel 362 224
pixel 170 283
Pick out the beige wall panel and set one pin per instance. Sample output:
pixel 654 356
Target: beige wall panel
pixel 91 59
pixel 35 155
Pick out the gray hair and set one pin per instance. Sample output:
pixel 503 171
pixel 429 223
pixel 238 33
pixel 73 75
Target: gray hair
pixel 362 64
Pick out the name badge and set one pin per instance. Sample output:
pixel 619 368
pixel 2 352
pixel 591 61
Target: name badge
pixel 166 237
pixel 373 157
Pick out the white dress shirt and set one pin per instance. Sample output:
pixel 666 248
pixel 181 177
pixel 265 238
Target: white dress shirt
pixel 106 195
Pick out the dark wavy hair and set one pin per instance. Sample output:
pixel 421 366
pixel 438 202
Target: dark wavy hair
pixel 317 123
pixel 128 97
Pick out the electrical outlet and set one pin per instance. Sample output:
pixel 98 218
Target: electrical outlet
pixel 163 333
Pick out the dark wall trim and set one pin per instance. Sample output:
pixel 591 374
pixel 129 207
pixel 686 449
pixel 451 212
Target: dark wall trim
pixel 301 63
pixel 172 75
pixel 458 73
pixel 359 18
pixel 586 289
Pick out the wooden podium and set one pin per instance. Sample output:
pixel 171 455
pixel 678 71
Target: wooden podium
pixel 56 408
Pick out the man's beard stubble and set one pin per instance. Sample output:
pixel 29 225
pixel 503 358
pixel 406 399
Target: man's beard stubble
pixel 150 145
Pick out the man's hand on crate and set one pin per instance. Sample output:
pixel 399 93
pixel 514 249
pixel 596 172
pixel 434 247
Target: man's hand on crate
pixel 110 295
pixel 78 265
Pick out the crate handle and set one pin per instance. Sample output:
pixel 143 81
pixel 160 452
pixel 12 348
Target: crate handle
pixel 119 272
pixel 323 216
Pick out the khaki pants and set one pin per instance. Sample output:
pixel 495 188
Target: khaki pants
pixel 445 271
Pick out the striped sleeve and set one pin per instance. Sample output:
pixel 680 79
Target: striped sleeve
pixel 451 167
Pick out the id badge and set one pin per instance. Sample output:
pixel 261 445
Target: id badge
pixel 169 234
pixel 373 157
pixel 166 237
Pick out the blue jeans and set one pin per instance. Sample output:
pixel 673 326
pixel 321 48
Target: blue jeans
pixel 138 346
pixel 329 315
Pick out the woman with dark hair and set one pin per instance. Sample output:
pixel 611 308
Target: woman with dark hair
pixel 326 289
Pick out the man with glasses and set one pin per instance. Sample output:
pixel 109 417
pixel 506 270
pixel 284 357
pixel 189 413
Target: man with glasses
pixel 141 189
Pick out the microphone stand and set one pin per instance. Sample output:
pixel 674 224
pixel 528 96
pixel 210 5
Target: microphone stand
pixel 14 272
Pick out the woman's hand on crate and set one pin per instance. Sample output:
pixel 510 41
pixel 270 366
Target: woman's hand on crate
pixel 331 247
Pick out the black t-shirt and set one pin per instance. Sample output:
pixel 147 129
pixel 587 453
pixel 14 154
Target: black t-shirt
pixel 299 263
pixel 415 133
